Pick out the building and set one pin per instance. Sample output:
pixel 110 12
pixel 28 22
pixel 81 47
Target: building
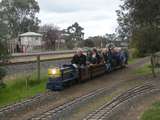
pixel 30 41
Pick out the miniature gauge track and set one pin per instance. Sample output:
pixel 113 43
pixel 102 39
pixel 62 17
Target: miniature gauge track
pixel 102 112
pixel 63 109
pixel 17 107
pixel 66 108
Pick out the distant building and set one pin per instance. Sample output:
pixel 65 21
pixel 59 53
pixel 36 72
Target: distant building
pixel 30 41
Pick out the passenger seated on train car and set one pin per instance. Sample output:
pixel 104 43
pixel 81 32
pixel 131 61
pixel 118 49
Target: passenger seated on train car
pixel 79 58
pixel 126 55
pixel 96 58
pixel 117 55
pixel 89 57
pixel 105 55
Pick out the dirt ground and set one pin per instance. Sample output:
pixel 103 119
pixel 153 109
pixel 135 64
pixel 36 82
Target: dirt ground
pixel 120 78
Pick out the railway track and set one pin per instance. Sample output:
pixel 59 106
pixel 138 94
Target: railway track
pixel 103 112
pixel 66 108
pixel 24 105
pixel 62 110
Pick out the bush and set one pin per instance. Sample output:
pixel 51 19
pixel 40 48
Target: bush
pixel 136 53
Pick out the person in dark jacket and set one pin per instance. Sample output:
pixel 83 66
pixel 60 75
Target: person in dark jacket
pixel 89 57
pixel 79 58
pixel 96 58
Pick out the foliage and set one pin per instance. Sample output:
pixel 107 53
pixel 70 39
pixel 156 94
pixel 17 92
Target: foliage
pixel 139 21
pixel 136 53
pixel 51 35
pixel 16 89
pixel 99 41
pixel 146 40
pixel 123 30
pixel 20 15
pixel 152 113
pixel 88 43
pixel 74 35
pixel 111 37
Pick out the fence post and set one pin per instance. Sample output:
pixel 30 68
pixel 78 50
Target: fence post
pixel 153 65
pixel 38 67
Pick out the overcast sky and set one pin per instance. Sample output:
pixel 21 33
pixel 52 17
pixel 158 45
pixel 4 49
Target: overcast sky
pixel 97 17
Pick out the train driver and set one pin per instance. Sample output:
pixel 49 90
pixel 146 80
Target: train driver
pixel 79 58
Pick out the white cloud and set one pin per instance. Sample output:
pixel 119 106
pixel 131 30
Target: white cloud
pixel 96 16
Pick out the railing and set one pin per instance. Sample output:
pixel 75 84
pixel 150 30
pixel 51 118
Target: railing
pixel 155 63
pixel 25 58
pixel 42 53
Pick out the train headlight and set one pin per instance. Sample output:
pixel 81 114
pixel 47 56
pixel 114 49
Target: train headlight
pixel 55 72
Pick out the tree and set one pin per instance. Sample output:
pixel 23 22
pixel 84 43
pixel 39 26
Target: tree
pixel 139 20
pixel 74 35
pixel 51 35
pixel 111 37
pixel 88 43
pixel 99 41
pixel 124 21
pixel 20 15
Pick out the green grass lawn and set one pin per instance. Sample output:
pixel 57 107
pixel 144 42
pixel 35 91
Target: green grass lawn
pixel 17 89
pixel 144 70
pixel 131 60
pixel 153 113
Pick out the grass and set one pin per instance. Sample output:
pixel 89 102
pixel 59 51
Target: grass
pixel 152 113
pixel 17 90
pixel 144 70
pixel 131 60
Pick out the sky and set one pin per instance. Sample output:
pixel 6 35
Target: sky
pixel 97 17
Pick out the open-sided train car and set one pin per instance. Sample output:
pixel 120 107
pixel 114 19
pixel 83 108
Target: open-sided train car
pixel 67 75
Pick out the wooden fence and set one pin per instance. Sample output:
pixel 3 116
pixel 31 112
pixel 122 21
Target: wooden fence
pixel 155 62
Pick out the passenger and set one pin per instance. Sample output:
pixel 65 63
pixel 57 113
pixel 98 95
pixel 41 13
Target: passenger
pixel 89 57
pixel 96 58
pixel 105 55
pixel 79 58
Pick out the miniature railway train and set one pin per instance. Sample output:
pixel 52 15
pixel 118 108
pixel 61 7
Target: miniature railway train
pixel 67 75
